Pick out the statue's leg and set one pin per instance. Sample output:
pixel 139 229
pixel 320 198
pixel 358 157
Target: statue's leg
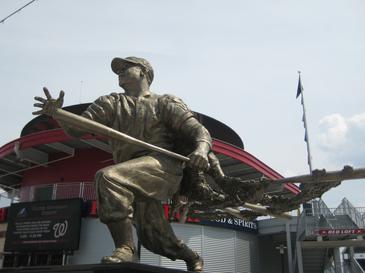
pixel 156 234
pixel 118 186
pixel 116 211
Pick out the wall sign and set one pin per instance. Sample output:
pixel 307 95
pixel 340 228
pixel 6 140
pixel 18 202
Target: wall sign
pixel 44 225
pixel 233 223
pixel 226 222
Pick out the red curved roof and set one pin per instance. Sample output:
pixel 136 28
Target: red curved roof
pixel 59 136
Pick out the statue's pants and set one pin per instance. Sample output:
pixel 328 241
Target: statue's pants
pixel 134 189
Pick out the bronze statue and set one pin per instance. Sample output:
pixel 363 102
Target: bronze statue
pixel 148 133
pixel 131 191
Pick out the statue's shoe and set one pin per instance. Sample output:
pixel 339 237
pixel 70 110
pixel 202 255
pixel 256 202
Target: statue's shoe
pixel 120 255
pixel 196 265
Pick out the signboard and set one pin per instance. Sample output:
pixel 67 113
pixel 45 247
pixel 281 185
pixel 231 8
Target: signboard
pixel 233 223
pixel 225 222
pixel 340 232
pixel 44 226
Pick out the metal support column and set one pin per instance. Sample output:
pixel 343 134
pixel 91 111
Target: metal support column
pixel 351 257
pixel 64 258
pixel 337 260
pixel 54 191
pixel 288 247
pixel 299 257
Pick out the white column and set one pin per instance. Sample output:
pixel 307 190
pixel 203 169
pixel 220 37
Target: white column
pixel 337 260
pixel 288 247
pixel 351 258
pixel 299 257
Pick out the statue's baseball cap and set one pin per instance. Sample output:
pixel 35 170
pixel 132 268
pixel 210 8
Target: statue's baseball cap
pixel 119 64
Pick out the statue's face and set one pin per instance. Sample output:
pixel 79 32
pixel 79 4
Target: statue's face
pixel 129 75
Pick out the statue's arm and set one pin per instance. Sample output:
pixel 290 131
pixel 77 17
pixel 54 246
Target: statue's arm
pixel 183 122
pixel 193 130
pixel 101 111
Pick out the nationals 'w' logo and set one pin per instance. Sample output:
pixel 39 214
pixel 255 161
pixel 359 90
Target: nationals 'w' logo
pixel 60 229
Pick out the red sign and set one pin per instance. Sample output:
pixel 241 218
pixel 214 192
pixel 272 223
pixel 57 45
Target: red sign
pixel 93 212
pixel 176 216
pixel 338 232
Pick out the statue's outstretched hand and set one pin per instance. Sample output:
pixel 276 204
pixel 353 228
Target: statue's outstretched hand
pixel 49 105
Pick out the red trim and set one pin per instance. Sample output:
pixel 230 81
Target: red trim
pixel 7 149
pixel 293 188
pixel 58 135
pixel 39 138
pixel 250 160
pixel 245 157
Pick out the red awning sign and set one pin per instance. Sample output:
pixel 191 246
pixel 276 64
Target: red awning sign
pixel 337 232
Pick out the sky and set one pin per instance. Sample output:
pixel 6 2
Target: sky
pixel 235 61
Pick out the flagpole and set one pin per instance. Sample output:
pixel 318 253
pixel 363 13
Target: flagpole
pixel 306 137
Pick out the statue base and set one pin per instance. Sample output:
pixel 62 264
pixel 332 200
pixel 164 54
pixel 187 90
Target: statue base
pixel 93 268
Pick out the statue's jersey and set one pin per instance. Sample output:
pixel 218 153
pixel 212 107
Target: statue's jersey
pixel 154 119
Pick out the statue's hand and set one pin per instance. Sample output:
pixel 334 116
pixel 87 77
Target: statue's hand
pixel 199 158
pixel 48 106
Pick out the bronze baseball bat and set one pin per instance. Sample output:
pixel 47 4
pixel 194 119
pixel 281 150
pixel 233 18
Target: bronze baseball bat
pixel 94 127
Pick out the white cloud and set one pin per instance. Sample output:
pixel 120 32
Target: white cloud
pixel 342 139
pixel 334 130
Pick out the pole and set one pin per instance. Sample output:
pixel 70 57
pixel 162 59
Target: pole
pixel 64 258
pixel 81 83
pixel 281 249
pixel 305 125
pixel 288 247
pixel 27 4
pixel 306 137
pixel 139 249
pixel 300 256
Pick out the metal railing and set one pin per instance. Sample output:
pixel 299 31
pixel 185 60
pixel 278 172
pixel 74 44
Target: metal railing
pixel 356 214
pixel 330 269
pixel 352 266
pixel 321 217
pixel 84 190
pixel 320 220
